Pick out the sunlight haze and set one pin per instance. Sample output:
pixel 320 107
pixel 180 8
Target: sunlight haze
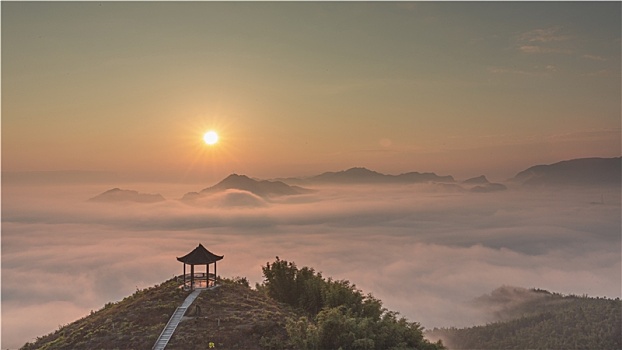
pixel 309 87
pixel 428 152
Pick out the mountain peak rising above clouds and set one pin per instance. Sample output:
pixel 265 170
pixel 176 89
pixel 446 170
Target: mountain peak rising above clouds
pixel 583 171
pixel 482 185
pixel 119 195
pixel 261 188
pixel 479 180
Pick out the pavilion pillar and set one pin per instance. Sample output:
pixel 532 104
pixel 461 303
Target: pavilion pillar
pixel 184 275
pixel 215 275
pixel 191 276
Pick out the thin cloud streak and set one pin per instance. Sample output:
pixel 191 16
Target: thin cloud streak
pixel 595 58
pixel 544 41
pixel 543 49
pixel 544 35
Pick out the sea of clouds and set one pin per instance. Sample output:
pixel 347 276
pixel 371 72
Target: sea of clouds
pixel 424 251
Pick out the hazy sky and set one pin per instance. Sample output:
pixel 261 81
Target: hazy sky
pixel 301 88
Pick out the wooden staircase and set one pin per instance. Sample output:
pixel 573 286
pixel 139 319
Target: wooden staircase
pixel 170 327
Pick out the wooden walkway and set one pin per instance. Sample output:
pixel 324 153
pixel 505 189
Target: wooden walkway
pixel 170 327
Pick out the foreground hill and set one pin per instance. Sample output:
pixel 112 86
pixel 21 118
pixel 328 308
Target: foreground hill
pixel 542 320
pixel 584 171
pixel 293 309
pixel 233 316
pixel 261 188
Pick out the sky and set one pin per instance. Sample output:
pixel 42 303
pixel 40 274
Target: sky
pixel 98 95
pixel 296 89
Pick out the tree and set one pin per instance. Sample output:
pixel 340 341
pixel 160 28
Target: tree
pixel 339 316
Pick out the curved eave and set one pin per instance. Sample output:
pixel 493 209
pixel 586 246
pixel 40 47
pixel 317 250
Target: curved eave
pixel 200 256
pixel 191 261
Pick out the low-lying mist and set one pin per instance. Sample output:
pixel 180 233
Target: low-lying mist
pixel 424 251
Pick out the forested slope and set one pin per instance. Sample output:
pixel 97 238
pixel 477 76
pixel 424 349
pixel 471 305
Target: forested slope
pixel 554 322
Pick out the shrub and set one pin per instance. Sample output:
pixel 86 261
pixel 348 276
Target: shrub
pixel 340 315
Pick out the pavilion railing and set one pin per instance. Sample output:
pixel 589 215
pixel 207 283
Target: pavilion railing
pixel 200 280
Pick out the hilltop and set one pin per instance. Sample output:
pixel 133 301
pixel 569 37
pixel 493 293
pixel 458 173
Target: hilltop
pixel 234 316
pixel 293 309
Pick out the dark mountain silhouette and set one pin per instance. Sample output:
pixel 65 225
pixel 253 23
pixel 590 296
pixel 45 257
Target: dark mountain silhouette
pixel 479 180
pixel 261 188
pixel 584 171
pixel 363 175
pixel 119 195
pixel 482 185
pixel 350 175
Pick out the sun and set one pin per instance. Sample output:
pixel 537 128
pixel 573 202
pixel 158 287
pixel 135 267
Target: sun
pixel 210 137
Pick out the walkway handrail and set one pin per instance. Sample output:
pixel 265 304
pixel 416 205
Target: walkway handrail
pixel 174 320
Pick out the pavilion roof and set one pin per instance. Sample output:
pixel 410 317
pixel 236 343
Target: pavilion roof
pixel 200 256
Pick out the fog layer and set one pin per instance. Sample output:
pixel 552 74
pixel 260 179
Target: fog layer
pixel 424 252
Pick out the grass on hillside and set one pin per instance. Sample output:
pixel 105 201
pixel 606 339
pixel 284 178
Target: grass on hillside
pixel 232 316
pixel 132 323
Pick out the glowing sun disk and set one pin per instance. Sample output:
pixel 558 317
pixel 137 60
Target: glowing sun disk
pixel 210 137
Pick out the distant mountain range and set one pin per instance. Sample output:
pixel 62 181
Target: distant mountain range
pixel 116 195
pixel 575 172
pixel 359 175
pixel 584 171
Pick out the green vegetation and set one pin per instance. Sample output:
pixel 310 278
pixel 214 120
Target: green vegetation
pixel 336 315
pixel 551 322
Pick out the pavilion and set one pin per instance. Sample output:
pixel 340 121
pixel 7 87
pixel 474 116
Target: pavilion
pixel 200 256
